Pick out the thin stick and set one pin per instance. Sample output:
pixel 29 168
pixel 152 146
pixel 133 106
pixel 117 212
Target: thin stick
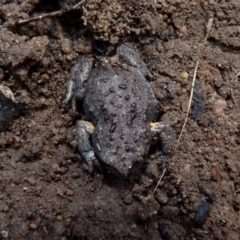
pixel 189 104
pixel 46 15
pixel 159 180
pixel 209 26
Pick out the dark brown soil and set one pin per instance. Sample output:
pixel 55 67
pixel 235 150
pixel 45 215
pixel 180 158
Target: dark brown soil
pixel 46 191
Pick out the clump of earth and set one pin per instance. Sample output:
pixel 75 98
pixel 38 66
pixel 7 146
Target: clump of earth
pixel 46 191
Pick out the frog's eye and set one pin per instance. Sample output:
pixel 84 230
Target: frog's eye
pixel 100 47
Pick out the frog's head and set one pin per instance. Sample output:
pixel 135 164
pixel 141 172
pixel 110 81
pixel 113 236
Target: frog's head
pixel 130 57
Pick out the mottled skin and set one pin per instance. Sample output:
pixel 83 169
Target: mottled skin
pixel 120 103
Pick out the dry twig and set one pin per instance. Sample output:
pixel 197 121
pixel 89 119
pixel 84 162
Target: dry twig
pixel 189 105
pixel 40 17
pixel 209 26
pixel 160 179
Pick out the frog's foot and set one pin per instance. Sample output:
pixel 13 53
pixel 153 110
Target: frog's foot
pixel 78 78
pixel 84 131
pixel 163 131
pixel 70 91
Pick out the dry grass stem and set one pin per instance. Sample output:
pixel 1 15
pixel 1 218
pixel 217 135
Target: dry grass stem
pixel 189 105
pixel 160 179
pixel 46 15
pixel 209 26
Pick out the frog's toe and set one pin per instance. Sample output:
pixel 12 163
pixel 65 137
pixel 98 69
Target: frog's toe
pixel 70 91
pixel 89 157
pixel 165 133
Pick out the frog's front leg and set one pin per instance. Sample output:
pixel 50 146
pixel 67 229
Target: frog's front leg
pixel 84 131
pixel 78 78
pixel 164 132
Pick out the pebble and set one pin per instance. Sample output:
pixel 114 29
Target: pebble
pixel 219 106
pixel 198 106
pixel 31 180
pixel 184 78
pixel 9 109
pixel 161 197
pixel 76 175
pixel 33 226
pixel 133 226
pixel 66 45
pixel 58 228
pixel 203 212
pixel 7 92
pixel 4 234
pixel 128 199
pixel 59 218
pixel 182 32
pixel 69 192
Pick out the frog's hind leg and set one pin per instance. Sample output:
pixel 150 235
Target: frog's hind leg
pixel 165 133
pixel 84 131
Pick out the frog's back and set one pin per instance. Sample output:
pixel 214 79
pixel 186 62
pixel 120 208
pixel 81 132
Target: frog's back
pixel 119 93
pixel 121 104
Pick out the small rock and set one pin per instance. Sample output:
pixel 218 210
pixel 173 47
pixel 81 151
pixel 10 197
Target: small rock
pixel 128 199
pixel 31 180
pixel 203 212
pixel 182 32
pixel 237 202
pixel 9 110
pixel 58 228
pixel 170 212
pixel 161 197
pixel 3 234
pixel 133 226
pixel 219 106
pixel 172 231
pixel 58 169
pixel 6 91
pixel 59 217
pixel 22 74
pixel 66 45
pixel 198 107
pixel 215 173
pixel 209 191
pixel 33 226
pixel 69 192
pixel 76 175
pixel 83 47
pixel 4 207
pixel 184 78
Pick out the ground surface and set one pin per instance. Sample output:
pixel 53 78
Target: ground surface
pixel 45 189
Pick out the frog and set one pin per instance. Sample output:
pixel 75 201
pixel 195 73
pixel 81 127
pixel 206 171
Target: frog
pixel 120 110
